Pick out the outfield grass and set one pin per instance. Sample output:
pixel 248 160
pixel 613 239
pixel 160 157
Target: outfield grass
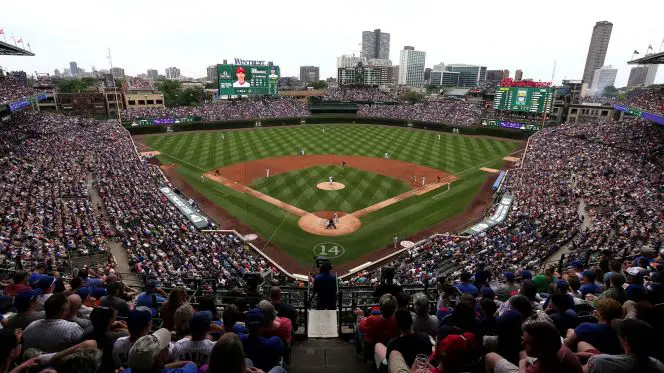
pixel 298 188
pixel 459 155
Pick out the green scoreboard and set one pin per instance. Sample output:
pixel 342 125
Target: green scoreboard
pixel 246 80
pixel 524 99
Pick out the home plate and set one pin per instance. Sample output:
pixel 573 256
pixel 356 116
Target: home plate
pixel 492 170
pixel 511 159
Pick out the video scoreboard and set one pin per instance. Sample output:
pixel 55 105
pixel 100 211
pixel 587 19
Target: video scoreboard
pixel 524 99
pixel 246 80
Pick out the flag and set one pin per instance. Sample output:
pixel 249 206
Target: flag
pixel 650 46
pixel 20 40
pixel 2 31
pixel 636 52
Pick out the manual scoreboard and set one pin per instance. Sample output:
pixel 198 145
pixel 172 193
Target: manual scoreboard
pixel 524 99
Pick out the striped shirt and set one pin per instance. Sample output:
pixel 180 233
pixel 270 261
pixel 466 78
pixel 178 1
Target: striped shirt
pixel 51 335
pixel 121 352
pixel 188 350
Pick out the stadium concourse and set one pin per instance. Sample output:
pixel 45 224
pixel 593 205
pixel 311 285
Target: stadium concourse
pixel 72 187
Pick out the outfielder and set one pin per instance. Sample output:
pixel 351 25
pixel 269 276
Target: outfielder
pixel 302 151
pixel 423 178
pixel 267 173
pixel 386 156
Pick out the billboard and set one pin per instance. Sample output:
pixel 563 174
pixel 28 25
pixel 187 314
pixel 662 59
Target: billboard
pixel 524 99
pixel 246 80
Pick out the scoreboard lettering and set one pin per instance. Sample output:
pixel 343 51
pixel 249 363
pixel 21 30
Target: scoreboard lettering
pixel 245 80
pixel 524 99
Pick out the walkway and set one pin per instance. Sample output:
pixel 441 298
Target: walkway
pixel 326 355
pixel 117 251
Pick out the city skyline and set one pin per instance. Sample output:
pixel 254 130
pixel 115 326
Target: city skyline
pixel 196 41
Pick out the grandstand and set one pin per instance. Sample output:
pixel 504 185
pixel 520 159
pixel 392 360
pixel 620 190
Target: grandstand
pixel 567 244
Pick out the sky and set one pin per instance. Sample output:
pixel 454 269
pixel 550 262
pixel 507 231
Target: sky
pixel 191 35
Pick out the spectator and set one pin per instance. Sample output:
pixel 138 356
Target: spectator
pixel 482 276
pixel 139 323
pixel 198 347
pixel 488 320
pixel 465 287
pixel 183 316
pixel 53 333
pixel 46 285
pixel 507 288
pixel 387 285
pixel 563 318
pixel 636 338
pixel 74 306
pixel 325 285
pixel 176 298
pixel 615 267
pixel 615 289
pixel 10 348
pixel 601 335
pixel 636 291
pixel 149 297
pixel 114 299
pixel 541 341
pixel 106 331
pixel 462 320
pixel 588 285
pixel 264 352
pixel 227 356
pixel 456 352
pixel 275 326
pixel 543 280
pixel 232 320
pixel 381 328
pixel 26 307
pixel 656 288
pixel 19 283
pixel 409 344
pixel 284 309
pixel 424 322
pixel 150 355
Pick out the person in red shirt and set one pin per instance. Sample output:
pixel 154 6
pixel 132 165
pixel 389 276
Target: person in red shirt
pixel 20 283
pixel 381 328
pixel 280 327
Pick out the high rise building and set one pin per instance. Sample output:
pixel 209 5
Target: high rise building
pixel 650 77
pixel 494 75
pixel 599 44
pixel 393 74
pixel 172 72
pixel 411 67
pixel 363 75
pixel 604 76
pixel 375 44
pixel 309 74
pixel 73 68
pixel 506 73
pixel 118 72
pixel 427 74
pixel 637 76
pixel 518 75
pixel 379 62
pixel 212 73
pixel 349 60
pixel 439 67
pixel 153 74
pixel 469 75
pixel 56 72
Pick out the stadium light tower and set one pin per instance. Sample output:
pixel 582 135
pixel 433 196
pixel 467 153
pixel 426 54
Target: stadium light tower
pixel 115 88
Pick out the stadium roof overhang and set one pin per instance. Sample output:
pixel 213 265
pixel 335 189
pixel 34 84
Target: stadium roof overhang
pixel 651 59
pixel 11 50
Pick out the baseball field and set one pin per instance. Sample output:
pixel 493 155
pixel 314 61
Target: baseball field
pixel 343 191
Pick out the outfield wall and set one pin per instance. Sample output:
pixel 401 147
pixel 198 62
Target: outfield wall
pixel 324 119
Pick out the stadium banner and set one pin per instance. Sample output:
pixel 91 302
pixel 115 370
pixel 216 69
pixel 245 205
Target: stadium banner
pixel 246 80
pixel 185 208
pixel 640 114
pixel 158 121
pixel 496 218
pixel 17 105
pixel 514 125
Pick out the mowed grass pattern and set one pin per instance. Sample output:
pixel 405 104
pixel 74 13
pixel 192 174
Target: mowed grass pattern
pixel 298 188
pixel 459 155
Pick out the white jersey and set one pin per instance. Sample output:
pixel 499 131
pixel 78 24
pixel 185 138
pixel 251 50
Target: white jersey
pixel 238 84
pixel 121 349
pixel 188 350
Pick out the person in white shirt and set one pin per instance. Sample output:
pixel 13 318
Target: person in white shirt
pixel 139 324
pixel 198 347
pixel 53 334
pixel 241 82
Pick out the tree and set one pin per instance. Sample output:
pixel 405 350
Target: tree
pixel 412 97
pixel 191 96
pixel 171 91
pixel 210 85
pixel 610 91
pixel 321 84
pixel 72 85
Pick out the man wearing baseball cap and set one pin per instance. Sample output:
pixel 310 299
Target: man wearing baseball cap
pixel 46 284
pixel 26 305
pixel 150 298
pixel 264 352
pixel 150 354
pixel 197 347
pixel 241 74
pixel 275 326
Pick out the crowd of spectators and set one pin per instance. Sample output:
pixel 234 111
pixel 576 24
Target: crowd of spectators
pixel 453 112
pixel 13 89
pixel 358 94
pixel 227 110
pixel 649 99
pixel 139 83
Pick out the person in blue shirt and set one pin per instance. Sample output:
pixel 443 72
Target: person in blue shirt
pixel 38 274
pixel 145 298
pixel 264 352
pixel 465 286
pixel 325 286
pixel 563 317
pixel 601 335
pixel 656 289
pixel 588 286
pixel 482 276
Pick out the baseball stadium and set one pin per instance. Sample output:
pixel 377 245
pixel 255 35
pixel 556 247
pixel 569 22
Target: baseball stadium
pixel 250 222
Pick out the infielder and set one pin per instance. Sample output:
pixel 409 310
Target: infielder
pixel 386 156
pixel 330 180
pixel 202 179
pixel 302 151
pixel 267 173
pixel 423 178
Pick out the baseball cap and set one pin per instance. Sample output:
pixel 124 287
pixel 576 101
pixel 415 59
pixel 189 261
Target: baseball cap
pixel 509 275
pixel 200 323
pixel 151 284
pixel 240 69
pixel 268 310
pixel 138 319
pixel 577 264
pixel 526 275
pixel 84 293
pixel 146 349
pixel 589 274
pixel 255 317
pixel 562 284
pixel 487 292
pixel 635 271
pixel 23 299
pixel 456 346
pixel 99 292
pixel 45 282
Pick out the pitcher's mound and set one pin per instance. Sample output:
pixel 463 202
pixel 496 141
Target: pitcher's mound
pixel 330 186
pixel 317 222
